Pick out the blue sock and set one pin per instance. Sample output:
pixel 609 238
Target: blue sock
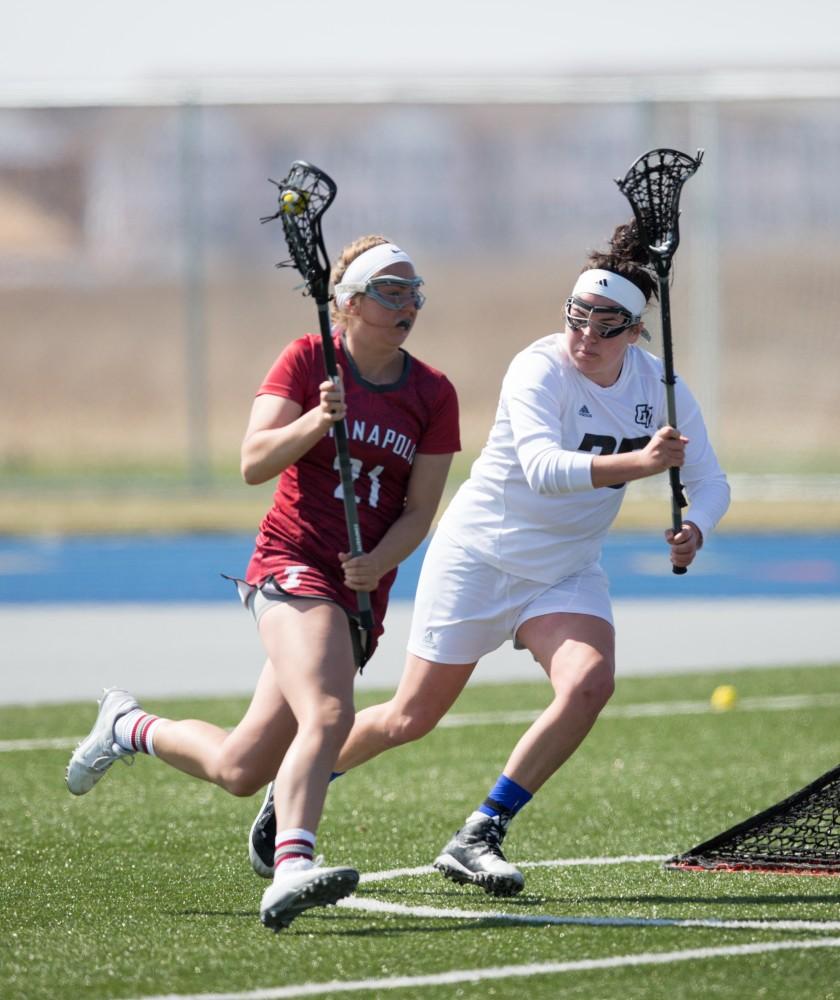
pixel 334 775
pixel 505 798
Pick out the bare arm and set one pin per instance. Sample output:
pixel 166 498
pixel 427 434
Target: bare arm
pixel 425 487
pixel 279 432
pixel 666 449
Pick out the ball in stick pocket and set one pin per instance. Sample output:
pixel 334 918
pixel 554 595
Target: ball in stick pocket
pixel 293 202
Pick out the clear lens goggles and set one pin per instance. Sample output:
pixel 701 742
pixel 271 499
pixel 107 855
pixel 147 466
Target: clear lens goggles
pixel 603 321
pixel 389 291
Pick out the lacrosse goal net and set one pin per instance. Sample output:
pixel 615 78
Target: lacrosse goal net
pixel 799 835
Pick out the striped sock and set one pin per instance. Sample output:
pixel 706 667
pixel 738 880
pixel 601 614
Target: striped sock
pixel 135 731
pixel 293 845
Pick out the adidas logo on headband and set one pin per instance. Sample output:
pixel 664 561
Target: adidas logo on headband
pixel 613 286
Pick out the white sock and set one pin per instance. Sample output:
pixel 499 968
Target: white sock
pixel 294 845
pixel 135 731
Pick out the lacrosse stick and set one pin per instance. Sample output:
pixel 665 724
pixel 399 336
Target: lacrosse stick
pixel 305 194
pixel 652 185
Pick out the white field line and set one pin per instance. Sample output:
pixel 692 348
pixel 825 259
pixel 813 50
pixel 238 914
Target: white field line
pixel 559 863
pixel 775 703
pixel 549 920
pixel 534 920
pixel 372 986
pixel 54 743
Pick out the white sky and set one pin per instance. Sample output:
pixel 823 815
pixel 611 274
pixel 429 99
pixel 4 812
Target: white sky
pixel 47 46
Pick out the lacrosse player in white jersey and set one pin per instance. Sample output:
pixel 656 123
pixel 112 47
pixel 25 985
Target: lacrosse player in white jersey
pixel 516 554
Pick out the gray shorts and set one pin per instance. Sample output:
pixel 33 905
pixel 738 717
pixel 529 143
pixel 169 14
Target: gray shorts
pixel 259 599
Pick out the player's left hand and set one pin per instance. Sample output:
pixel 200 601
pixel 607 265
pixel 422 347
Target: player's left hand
pixel 360 572
pixel 684 543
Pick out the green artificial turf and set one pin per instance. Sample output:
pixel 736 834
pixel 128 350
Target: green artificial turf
pixel 143 887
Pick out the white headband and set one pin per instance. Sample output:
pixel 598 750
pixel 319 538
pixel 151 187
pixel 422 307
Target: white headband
pixel 612 286
pixel 362 269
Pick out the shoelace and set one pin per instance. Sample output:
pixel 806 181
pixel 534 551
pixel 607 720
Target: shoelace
pixel 493 839
pixel 104 762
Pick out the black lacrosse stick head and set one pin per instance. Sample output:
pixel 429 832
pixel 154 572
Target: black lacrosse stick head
pixel 653 185
pixel 304 195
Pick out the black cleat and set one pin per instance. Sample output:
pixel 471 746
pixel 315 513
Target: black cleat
pixel 262 835
pixel 474 857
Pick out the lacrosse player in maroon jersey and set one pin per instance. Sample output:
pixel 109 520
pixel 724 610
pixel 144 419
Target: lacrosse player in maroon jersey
pixel 402 426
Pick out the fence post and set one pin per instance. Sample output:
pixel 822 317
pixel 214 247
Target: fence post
pixel 194 284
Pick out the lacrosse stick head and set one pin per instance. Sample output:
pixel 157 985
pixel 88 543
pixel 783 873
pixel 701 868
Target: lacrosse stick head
pixel 304 195
pixel 653 185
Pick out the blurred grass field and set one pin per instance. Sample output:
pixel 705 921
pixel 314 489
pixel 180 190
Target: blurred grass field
pixel 143 888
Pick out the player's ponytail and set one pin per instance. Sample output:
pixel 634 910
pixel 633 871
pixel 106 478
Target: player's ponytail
pixel 626 255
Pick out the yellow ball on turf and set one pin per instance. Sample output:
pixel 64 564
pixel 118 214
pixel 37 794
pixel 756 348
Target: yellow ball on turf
pixel 723 698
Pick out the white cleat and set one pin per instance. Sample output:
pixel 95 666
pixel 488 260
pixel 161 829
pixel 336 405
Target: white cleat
pixel 98 751
pixel 299 886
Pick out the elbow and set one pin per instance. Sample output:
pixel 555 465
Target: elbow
pixel 536 479
pixel 543 467
pixel 423 521
pixel 538 486
pixel 557 471
pixel 254 467
pixel 247 464
pixel 727 498
pixel 418 520
pixel 251 472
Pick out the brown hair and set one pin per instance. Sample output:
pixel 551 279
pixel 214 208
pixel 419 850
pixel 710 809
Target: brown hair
pixel 346 258
pixel 627 256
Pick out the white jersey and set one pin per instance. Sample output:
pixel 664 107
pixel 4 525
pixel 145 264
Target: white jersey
pixel 529 507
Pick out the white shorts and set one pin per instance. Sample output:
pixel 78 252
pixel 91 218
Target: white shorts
pixel 466 608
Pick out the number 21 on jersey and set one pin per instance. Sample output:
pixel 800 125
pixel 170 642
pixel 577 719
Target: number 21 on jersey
pixel 372 475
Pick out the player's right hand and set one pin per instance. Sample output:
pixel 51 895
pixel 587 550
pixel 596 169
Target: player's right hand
pixel 332 405
pixel 665 450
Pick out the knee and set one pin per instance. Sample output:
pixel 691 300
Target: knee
pixel 605 685
pixel 238 780
pixel 595 683
pixel 331 722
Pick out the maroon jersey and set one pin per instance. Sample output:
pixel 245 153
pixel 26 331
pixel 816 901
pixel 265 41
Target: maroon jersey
pixel 303 532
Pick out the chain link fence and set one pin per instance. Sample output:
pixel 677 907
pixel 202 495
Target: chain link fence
pixel 140 304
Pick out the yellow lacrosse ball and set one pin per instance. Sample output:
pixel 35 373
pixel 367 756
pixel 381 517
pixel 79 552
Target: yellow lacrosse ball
pixel 723 698
pixel 293 202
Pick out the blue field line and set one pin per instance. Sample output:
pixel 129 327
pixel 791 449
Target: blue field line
pixel 152 569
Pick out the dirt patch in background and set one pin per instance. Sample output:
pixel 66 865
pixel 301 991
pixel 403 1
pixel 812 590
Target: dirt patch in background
pixel 98 376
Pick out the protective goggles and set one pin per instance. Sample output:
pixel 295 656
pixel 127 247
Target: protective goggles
pixel 603 321
pixel 389 291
